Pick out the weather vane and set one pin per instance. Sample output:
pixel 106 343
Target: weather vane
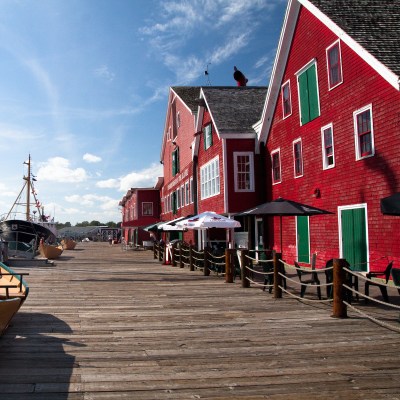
pixel 207 74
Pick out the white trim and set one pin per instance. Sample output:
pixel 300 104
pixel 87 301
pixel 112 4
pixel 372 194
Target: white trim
pixel 215 160
pixel 278 150
pixel 290 99
pixel 336 42
pixel 356 141
pixel 298 140
pixel 225 172
pixel 278 70
pixel 236 154
pixel 380 68
pixel 324 159
pixel 352 207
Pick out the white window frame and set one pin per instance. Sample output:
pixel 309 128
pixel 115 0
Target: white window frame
pixel 274 182
pixel 301 158
pixel 250 156
pixel 147 203
pixel 182 194
pixel 325 164
pixel 330 86
pixel 287 83
pixel 178 119
pixel 207 136
pixel 356 137
pixel 187 193
pixel 210 179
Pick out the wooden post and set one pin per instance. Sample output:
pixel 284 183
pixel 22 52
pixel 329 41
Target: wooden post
pixel 228 265
pixel 155 250
pixel 339 278
pixel 173 260
pixel 160 251
pixel 181 264
pixel 277 277
pixel 206 269
pixel 191 265
pixel 244 261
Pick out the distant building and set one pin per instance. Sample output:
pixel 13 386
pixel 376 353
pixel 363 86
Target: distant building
pixel 140 208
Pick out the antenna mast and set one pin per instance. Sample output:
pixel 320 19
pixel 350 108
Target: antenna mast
pixel 207 74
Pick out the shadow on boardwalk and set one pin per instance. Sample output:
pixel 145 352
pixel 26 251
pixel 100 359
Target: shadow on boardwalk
pixel 113 324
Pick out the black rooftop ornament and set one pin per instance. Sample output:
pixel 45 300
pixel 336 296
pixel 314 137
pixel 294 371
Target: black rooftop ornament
pixel 239 77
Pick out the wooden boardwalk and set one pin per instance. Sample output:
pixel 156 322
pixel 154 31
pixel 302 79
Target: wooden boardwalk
pixel 110 324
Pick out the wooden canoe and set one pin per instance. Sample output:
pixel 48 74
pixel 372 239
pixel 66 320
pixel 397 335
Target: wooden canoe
pixel 50 251
pixel 68 244
pixel 13 292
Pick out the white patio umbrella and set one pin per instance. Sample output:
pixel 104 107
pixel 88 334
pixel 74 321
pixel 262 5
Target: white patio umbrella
pixel 208 219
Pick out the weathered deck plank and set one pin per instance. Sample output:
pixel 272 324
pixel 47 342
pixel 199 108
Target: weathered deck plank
pixel 110 324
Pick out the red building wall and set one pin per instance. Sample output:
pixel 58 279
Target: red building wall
pixel 214 203
pixel 349 182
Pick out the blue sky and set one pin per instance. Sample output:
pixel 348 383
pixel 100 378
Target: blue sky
pixel 84 88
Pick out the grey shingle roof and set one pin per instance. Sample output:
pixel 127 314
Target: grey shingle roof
pixel 374 24
pixel 189 95
pixel 235 109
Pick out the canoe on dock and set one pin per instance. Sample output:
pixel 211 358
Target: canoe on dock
pixel 13 292
pixel 50 251
pixel 68 244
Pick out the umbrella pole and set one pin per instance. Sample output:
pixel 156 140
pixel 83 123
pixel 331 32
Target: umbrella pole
pixel 280 231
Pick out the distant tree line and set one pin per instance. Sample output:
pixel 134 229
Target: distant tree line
pixel 110 224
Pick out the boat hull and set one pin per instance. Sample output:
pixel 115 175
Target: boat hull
pixel 15 230
pixel 11 298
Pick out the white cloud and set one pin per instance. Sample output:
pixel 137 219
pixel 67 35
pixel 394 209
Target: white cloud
pixel 103 72
pixel 57 169
pixel 144 178
pixel 90 158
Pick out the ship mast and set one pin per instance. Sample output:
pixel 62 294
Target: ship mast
pixel 28 188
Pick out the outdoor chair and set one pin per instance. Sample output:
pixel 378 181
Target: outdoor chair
pixel 308 279
pixel 396 278
pixel 382 287
pixel 268 267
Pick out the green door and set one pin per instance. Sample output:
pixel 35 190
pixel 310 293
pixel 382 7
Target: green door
pixel 354 238
pixel 303 239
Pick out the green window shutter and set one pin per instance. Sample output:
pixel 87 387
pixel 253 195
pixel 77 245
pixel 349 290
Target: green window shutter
pixel 304 106
pixel 309 104
pixel 177 160
pixel 312 92
pixel 174 204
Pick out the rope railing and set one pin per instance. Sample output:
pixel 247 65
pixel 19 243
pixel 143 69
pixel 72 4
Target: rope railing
pixel 281 277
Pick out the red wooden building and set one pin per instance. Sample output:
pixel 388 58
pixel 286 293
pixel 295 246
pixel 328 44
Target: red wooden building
pixel 331 124
pixel 208 153
pixel 140 208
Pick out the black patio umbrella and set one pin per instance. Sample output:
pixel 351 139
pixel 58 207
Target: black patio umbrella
pixel 282 207
pixel 391 205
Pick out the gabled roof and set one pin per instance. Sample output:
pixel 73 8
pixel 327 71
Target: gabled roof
pixel 234 109
pixel 374 24
pixel 369 27
pixel 189 96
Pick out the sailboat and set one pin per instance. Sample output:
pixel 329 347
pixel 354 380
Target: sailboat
pixel 24 234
